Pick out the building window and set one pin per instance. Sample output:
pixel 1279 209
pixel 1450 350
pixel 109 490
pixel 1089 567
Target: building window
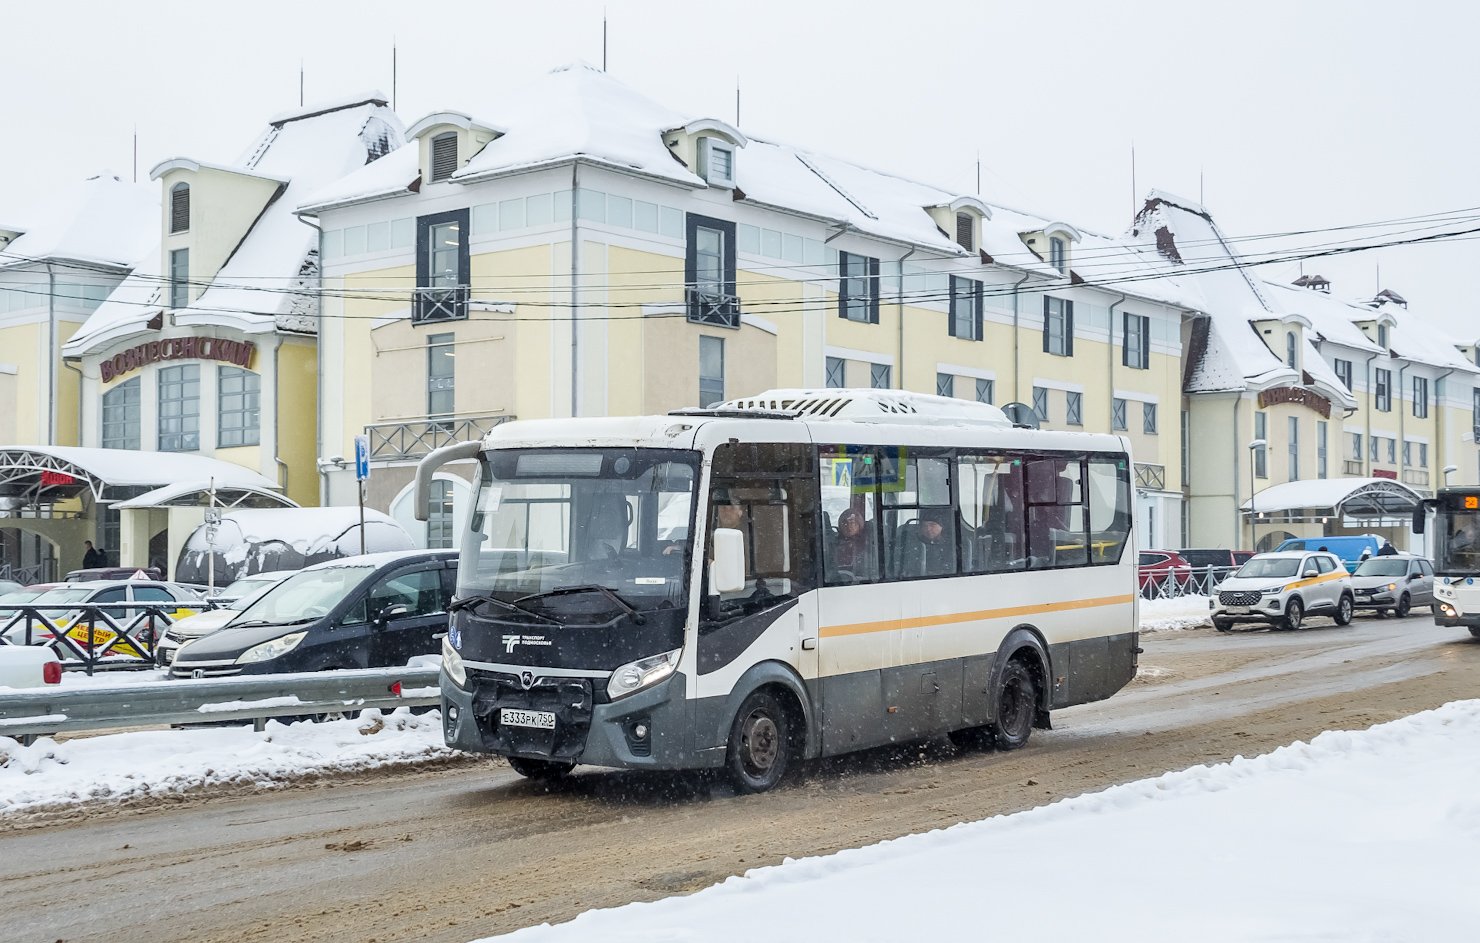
pixel 180 207
pixel 444 155
pixel 836 370
pixel 1382 336
pixel 1374 448
pixel 1074 408
pixel 1321 448
pixel 238 418
pixel 1040 403
pixel 1356 446
pixel 709 272
pixel 711 370
pixel 1423 455
pixel 1421 397
pixel 1344 372
pixel 440 529
pixel 1058 326
pixel 1135 349
pixel 1148 418
pixel 879 376
pixel 984 391
pixel 945 384
pixel 1290 349
pixel 1261 453
pixel 963 231
pixel 1384 395
pixel 441 375
pixel 1407 453
pixel 966 308
pixel 716 162
pixel 858 288
pixel 1057 257
pixel 121 415
pixel 1392 451
pixel 179 408
pixel 1117 415
pixel 441 268
pixel 1294 448
pixel 179 278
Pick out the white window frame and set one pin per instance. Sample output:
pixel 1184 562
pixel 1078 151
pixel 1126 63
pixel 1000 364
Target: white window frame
pixel 707 146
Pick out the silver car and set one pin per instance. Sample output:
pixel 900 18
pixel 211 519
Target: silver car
pixel 1394 584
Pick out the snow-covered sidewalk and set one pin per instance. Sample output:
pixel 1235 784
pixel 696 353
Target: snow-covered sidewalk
pixel 1371 835
pixel 48 776
pixel 1180 612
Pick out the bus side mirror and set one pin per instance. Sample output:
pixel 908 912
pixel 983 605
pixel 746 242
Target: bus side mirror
pixel 1421 512
pixel 727 572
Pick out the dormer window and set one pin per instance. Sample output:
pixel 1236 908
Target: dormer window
pixel 964 231
pixel 717 162
pixel 1057 256
pixel 1290 350
pixel 444 155
pixel 1382 335
pixel 179 207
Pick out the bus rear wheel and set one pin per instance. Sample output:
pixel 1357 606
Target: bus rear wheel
pixel 1017 703
pixel 760 744
pixel 539 769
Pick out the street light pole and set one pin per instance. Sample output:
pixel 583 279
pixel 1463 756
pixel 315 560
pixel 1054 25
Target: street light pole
pixel 1253 510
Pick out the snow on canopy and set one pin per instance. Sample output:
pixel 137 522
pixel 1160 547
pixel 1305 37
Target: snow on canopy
pixel 103 219
pixel 263 540
pixel 124 467
pixel 1322 493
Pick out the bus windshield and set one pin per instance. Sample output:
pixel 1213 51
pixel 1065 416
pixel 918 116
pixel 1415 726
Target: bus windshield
pixel 555 519
pixel 1458 546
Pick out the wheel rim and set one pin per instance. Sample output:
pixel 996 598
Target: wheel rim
pixel 1346 609
pixel 760 741
pixel 1013 708
pixel 1294 614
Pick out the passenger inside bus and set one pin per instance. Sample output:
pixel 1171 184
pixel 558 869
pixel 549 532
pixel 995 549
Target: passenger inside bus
pixel 926 545
pixel 853 550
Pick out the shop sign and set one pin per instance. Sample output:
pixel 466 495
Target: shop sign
pixel 1297 395
pixel 179 348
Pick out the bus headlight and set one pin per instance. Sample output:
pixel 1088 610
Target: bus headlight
pixel 629 679
pixel 267 651
pixel 452 663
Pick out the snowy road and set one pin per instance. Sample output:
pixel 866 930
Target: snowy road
pixel 454 855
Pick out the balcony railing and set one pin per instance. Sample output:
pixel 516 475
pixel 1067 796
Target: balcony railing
pixel 397 440
pixel 1151 477
pixel 709 307
pixel 1352 467
pixel 1415 476
pixel 434 305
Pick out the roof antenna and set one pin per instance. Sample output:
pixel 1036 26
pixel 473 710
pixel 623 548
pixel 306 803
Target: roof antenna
pixel 393 73
pixel 300 83
pixel 978 172
pixel 737 101
pixel 603 39
pixel 1133 180
pixel 1200 201
pixel 136 153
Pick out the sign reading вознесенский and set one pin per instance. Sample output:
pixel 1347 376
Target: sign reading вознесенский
pixel 179 348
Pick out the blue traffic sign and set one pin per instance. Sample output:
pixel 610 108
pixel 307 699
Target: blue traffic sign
pixel 362 457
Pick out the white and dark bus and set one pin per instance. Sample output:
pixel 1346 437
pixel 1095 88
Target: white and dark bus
pixel 800 574
pixel 1456 555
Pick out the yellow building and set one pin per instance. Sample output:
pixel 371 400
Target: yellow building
pixel 584 250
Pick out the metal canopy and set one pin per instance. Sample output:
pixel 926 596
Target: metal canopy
pixel 34 477
pixel 1357 499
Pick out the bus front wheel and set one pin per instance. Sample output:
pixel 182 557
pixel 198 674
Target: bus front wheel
pixel 760 744
pixel 1017 702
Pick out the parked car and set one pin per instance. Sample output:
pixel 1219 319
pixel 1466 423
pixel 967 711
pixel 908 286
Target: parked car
pixel 238 596
pixel 115 573
pixel 173 597
pixel 1394 584
pixel 377 610
pixel 1281 588
pixel 26 666
pixel 1240 557
pixel 1351 550
pixel 1201 559
pixel 1157 566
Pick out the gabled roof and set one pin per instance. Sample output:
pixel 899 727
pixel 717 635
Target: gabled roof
pixel 1331 317
pixel 102 220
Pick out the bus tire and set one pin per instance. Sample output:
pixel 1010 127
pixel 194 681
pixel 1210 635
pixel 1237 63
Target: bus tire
pixel 1345 609
pixel 760 744
pixel 1017 703
pixel 544 770
pixel 1405 606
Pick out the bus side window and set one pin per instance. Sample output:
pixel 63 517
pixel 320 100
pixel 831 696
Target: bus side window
pixel 1056 519
pixel 1109 507
pixel 849 482
pixel 990 488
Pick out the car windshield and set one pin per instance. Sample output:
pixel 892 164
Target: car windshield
pixel 249 593
pixel 550 519
pixel 1457 550
pixel 1261 567
pixel 1383 566
pixel 307 594
pixel 248 585
pixel 18 597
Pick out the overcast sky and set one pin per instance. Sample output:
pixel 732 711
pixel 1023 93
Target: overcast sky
pixel 1288 116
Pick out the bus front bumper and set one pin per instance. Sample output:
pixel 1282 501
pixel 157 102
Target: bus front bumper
pixel 1449 616
pixel 644 730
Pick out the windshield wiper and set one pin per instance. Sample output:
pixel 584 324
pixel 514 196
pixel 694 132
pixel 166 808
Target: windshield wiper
pixel 247 625
pixel 637 617
pixel 467 602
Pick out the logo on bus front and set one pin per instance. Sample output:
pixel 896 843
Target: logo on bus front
pixel 511 640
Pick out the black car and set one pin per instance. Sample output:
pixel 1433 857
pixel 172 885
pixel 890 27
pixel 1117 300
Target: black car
pixel 373 611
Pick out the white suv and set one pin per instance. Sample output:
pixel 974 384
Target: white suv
pixel 1281 589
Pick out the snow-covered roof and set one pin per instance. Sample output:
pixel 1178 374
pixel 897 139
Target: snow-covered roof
pixel 1330 316
pixel 126 310
pixel 124 467
pixel 101 220
pixel 1416 338
pixel 1354 497
pixel 192 493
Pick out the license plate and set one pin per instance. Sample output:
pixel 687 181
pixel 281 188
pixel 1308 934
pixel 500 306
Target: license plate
pixel 1237 610
pixel 543 720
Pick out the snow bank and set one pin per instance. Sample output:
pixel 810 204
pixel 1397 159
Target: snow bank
pixel 158 764
pixel 1181 612
pixel 1370 835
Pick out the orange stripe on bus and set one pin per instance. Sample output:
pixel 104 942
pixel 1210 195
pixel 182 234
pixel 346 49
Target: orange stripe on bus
pixel 949 618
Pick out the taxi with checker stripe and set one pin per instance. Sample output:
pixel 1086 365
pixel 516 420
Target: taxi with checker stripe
pixel 1281 589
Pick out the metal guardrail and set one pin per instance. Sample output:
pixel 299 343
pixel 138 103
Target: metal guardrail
pixel 29 712
pixel 112 638
pixel 417 437
pixel 1201 581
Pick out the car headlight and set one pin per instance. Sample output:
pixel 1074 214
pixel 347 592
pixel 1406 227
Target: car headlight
pixel 1392 587
pixel 452 663
pixel 629 679
pixel 267 651
pixel 1272 591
